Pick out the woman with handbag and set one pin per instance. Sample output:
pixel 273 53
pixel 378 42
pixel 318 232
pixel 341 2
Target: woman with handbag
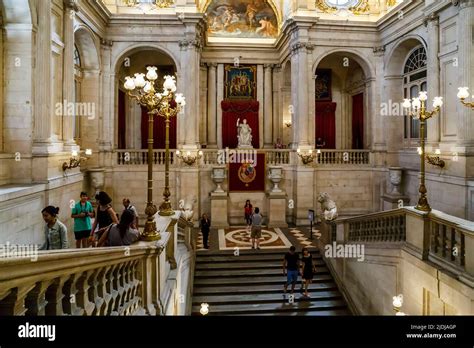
pixel 105 216
pixel 120 234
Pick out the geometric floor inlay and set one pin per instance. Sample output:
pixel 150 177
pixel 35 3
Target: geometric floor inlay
pixel 272 238
pixel 303 237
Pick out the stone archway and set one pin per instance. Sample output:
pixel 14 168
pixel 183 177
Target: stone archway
pixel 344 113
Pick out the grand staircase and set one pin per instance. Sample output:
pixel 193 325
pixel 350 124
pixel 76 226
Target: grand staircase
pixel 252 284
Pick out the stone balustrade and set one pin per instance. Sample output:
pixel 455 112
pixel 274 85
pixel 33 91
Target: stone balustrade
pixel 379 227
pixel 129 280
pixel 273 157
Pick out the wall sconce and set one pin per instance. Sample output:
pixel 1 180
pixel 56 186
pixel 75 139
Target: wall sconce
pixel 306 158
pixel 75 160
pixel 397 305
pixel 188 158
pixel 435 160
pixel 462 95
pixel 204 309
pixel 287 124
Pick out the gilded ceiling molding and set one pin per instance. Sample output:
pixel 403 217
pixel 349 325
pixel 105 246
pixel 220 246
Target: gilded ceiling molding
pixel 391 3
pixel 323 6
pixel 361 8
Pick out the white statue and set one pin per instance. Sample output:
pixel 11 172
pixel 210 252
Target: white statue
pixel 187 206
pixel 244 134
pixel 328 207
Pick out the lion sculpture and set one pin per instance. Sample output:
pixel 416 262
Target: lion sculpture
pixel 328 207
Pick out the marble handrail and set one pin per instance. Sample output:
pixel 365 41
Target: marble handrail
pixel 343 157
pixel 124 280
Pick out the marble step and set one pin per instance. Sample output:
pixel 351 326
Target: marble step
pixel 248 265
pixel 245 258
pixel 258 289
pixel 276 252
pixel 222 273
pixel 250 281
pixel 280 307
pixel 251 299
pixel 322 313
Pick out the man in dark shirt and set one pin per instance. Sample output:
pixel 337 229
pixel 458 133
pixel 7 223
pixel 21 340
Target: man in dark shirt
pixel 291 265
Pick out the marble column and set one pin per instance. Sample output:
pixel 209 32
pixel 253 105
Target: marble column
pixel 211 105
pixel 220 98
pixel 109 85
pixel 433 73
pixel 261 100
pixel 293 107
pixel 300 91
pixel 70 8
pixel 43 108
pixel 268 107
pixel 191 70
pixel 466 74
pixel 277 115
pixel 375 89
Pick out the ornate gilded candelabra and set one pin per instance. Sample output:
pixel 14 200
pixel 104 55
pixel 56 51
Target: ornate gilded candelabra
pixel 417 109
pixel 306 158
pixel 462 95
pixel 167 105
pixel 75 160
pixel 189 158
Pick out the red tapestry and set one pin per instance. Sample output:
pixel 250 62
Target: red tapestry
pixel 122 124
pixel 358 121
pixel 159 131
pixel 326 124
pixel 248 174
pixel 232 110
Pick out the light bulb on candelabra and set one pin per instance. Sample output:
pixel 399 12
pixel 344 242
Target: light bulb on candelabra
pixel 407 104
pixel 418 149
pixel 423 96
pixel 148 87
pixel 129 83
pixel 152 75
pixel 74 153
pixel 397 301
pixel 170 83
pixel 416 103
pixel 140 80
pixel 463 92
pixel 438 152
pixel 437 102
pixel 88 152
pixel 204 308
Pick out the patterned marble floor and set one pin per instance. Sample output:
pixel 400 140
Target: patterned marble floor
pixel 272 238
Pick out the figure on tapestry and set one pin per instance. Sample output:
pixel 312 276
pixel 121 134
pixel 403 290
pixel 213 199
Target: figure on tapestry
pixel 241 18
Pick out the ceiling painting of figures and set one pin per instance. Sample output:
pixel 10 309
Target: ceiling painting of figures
pixel 251 19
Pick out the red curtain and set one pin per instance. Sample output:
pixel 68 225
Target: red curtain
pixel 233 110
pixel 159 131
pixel 358 121
pixel 326 123
pixel 122 124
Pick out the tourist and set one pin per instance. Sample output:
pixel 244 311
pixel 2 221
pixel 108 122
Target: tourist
pixel 290 269
pixel 256 232
pixel 120 234
pixel 307 270
pixel 105 215
pixel 320 143
pixel 128 206
pixel 82 213
pixel 205 225
pixel 248 213
pixel 55 231
pixel 278 144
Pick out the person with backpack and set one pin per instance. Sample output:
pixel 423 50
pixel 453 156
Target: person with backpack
pixel 82 213
pixel 105 215
pixel 128 206
pixel 120 234
pixel 55 232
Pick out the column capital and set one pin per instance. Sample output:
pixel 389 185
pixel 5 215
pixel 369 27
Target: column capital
pixel 187 43
pixel 106 43
pixel 268 66
pixel 71 5
pixel 379 50
pixel 432 19
pixel 463 3
pixel 301 47
pixel 211 65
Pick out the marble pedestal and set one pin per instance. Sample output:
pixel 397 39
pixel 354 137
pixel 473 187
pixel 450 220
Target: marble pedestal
pixel 219 210
pixel 276 209
pixel 390 202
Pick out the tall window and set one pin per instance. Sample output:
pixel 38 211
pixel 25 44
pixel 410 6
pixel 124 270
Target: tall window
pixel 414 81
pixel 77 92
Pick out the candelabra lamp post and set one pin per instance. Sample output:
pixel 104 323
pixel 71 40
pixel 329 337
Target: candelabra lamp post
pixel 166 104
pixel 417 110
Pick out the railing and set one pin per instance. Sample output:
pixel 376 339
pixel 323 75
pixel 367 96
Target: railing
pixel 380 227
pixel 140 157
pixel 448 242
pixel 273 157
pixel 353 157
pixel 99 281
